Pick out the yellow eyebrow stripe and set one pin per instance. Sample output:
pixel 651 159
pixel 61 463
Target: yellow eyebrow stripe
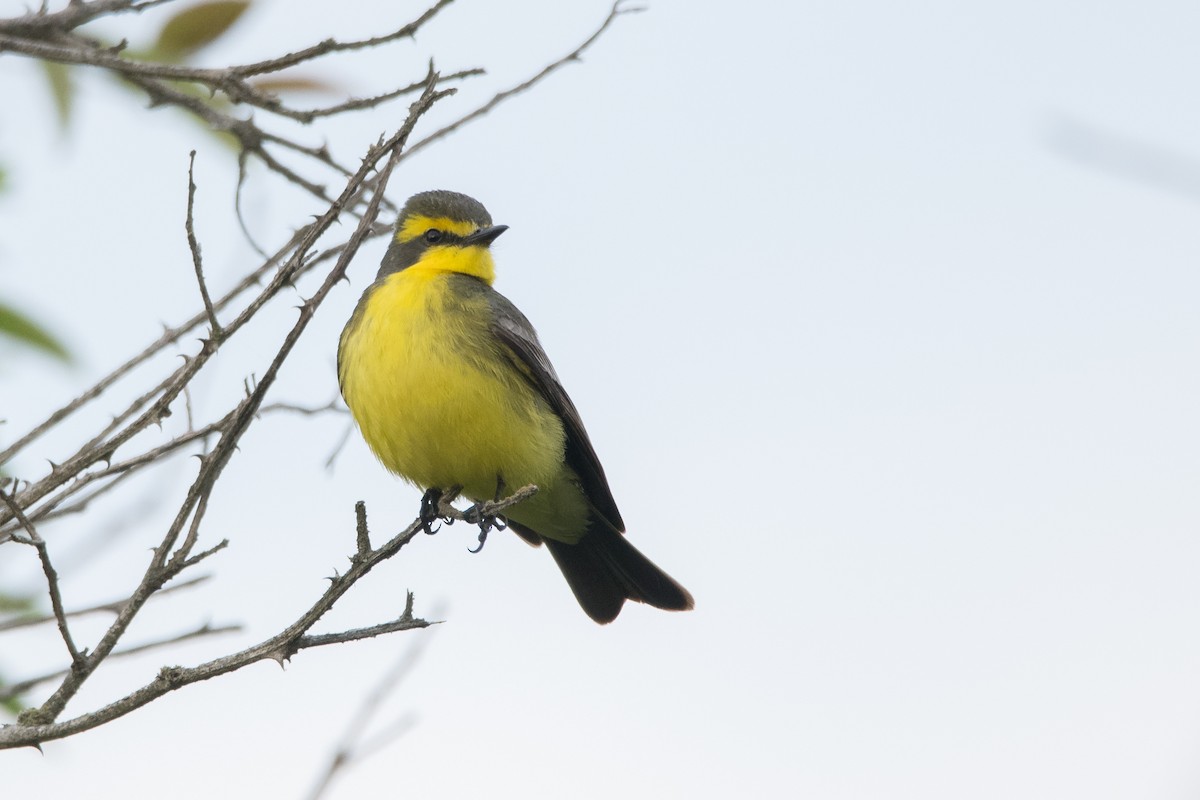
pixel 417 225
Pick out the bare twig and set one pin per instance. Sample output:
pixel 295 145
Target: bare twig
pixel 362 535
pixel 60 615
pixel 194 246
pixel 331 46
pixel 73 15
pixel 249 136
pixel 370 632
pixel 355 104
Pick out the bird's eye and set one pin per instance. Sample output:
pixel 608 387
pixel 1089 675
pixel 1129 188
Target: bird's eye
pixel 433 235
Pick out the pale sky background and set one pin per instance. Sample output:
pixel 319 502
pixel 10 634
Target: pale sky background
pixel 882 317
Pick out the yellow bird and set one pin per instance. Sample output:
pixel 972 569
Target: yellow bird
pixel 450 387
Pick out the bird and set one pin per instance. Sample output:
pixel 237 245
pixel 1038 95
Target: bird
pixel 450 387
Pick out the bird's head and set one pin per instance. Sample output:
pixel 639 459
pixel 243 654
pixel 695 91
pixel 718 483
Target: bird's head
pixel 443 231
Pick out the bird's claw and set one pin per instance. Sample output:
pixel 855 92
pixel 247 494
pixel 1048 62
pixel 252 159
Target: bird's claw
pixel 486 523
pixel 430 503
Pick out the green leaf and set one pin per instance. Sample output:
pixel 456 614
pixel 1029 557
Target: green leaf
pixel 3 179
pixel 14 604
pixel 62 88
pixel 198 26
pixel 20 327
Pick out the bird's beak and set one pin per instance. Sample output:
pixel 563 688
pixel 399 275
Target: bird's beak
pixel 484 236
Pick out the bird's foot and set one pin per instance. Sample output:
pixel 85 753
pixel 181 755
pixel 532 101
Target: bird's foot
pixel 430 506
pixel 486 522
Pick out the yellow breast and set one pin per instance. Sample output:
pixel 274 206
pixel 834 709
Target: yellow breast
pixel 436 398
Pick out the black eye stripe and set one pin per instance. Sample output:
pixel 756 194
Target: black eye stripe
pixel 433 235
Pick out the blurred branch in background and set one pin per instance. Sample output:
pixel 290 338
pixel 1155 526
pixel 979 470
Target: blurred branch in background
pixel 354 745
pixel 1125 157
pixel 132 440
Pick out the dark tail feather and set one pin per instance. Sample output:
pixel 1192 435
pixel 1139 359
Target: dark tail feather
pixel 604 569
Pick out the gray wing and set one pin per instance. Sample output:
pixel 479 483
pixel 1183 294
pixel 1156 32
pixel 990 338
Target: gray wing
pixel 519 340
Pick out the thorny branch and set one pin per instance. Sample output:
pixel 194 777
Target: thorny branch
pixel 31 537
pixel 75 14
pixel 194 246
pixel 61 45
pixel 167 560
pixel 32 727
pixel 121 448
